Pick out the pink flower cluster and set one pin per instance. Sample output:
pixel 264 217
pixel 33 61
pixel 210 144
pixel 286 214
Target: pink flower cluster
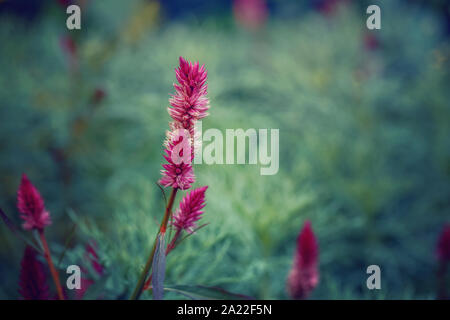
pixel 188 105
pixel 304 275
pixel 178 172
pixel 31 205
pixel 190 210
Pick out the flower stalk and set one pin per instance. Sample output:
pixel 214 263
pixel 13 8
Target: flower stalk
pixel 140 285
pixel 53 271
pixel 187 105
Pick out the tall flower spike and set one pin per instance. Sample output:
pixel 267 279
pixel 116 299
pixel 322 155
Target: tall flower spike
pixel 189 103
pixel 178 172
pixel 33 280
pixel 304 275
pixel 190 210
pixel 31 205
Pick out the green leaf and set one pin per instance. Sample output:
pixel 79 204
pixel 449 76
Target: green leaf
pixel 159 267
pixel 199 292
pixel 67 243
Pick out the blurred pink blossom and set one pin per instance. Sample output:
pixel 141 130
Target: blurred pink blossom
pixel 251 14
pixel 31 205
pixel 304 275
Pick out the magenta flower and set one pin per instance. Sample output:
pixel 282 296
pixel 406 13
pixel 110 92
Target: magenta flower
pixel 178 172
pixel 304 275
pixel 31 205
pixel 33 279
pixel 189 103
pixel 190 210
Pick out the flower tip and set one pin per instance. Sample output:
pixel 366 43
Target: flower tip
pixel 24 178
pixel 182 60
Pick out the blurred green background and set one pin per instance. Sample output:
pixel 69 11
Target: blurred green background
pixel 364 119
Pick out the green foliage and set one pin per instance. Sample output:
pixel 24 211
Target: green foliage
pixel 364 147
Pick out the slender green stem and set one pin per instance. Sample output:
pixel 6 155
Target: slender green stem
pixel 138 290
pixel 53 271
pixel 172 244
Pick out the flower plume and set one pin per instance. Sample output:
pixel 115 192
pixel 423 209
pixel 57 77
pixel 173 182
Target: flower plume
pixel 178 172
pixel 190 210
pixel 31 205
pixel 189 103
pixel 304 275
pixel 33 281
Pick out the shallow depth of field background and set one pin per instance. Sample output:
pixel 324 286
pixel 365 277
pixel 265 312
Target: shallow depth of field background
pixel 364 119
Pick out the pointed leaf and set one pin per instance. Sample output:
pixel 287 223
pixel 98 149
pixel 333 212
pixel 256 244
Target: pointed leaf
pixel 17 232
pixel 67 243
pixel 198 292
pixel 159 268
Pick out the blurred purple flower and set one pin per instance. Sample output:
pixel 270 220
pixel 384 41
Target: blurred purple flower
pixel 33 279
pixel 304 275
pixel 98 95
pixel 31 205
pixel 443 245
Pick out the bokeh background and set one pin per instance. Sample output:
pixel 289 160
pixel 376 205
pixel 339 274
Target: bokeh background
pixel 364 119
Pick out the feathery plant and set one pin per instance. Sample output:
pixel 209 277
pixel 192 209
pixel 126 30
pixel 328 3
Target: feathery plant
pixel 364 130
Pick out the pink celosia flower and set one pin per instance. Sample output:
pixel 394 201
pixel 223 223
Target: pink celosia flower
pixel 304 275
pixel 443 246
pixel 189 103
pixel 92 257
pixel 178 172
pixel 190 210
pixel 31 205
pixel 33 279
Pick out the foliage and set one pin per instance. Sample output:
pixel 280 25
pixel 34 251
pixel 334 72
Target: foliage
pixel 364 146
